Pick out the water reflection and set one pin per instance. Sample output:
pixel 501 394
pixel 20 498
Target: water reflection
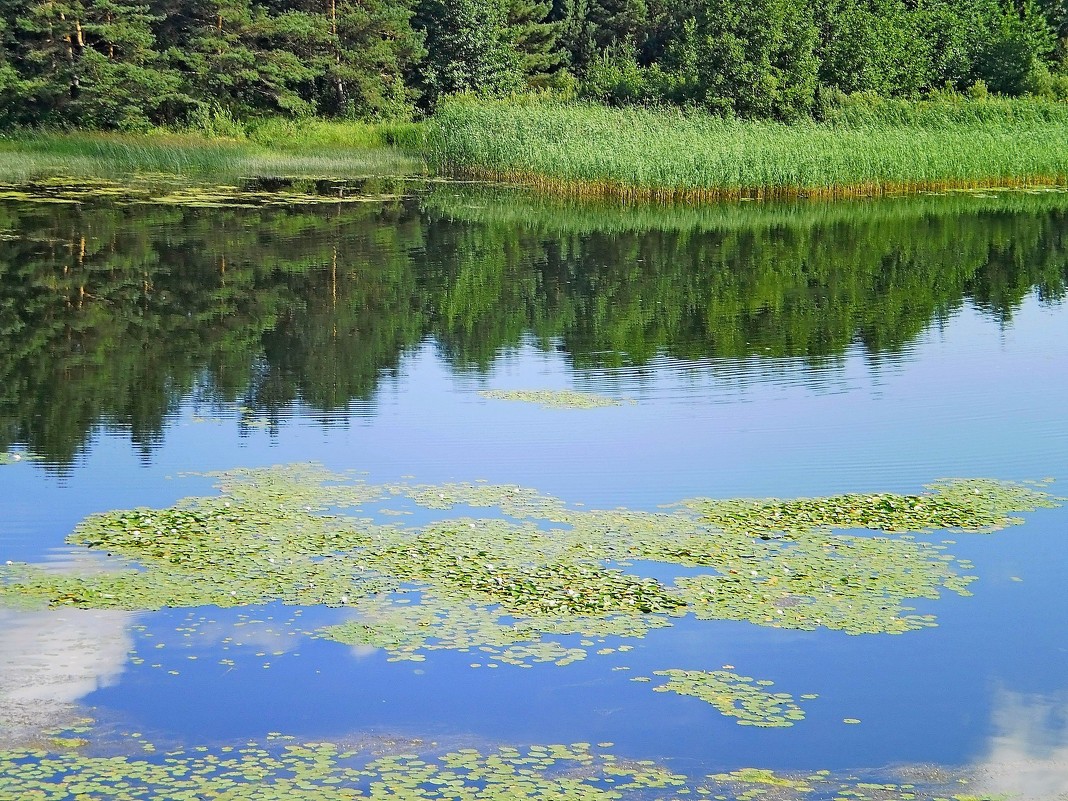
pixel 51 659
pixel 1028 755
pixel 111 315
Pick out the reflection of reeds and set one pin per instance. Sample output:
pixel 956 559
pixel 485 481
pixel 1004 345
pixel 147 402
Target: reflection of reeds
pixel 519 206
pixel 630 154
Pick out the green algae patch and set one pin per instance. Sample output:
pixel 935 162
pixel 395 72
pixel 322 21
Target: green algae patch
pixel 520 582
pixel 14 457
pixel 555 398
pixel 742 697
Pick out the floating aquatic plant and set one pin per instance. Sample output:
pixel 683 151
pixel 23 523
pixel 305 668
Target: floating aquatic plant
pixel 166 191
pixel 73 764
pixel 555 398
pixel 530 572
pixel 736 696
pixel 973 505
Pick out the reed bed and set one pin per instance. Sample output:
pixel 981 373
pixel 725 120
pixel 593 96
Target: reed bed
pixel 669 155
pixel 321 151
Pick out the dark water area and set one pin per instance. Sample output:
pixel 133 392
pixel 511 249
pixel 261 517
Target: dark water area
pixel 755 351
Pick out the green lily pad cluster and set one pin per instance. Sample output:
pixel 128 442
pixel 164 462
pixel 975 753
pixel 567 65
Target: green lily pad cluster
pixel 326 771
pixel 974 505
pixel 530 571
pixel 554 398
pixel 164 190
pixel 74 764
pixel 554 586
pixel 736 696
pixel 406 631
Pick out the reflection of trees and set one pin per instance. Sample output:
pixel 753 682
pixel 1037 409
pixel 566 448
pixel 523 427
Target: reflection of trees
pixel 109 316
pixel 805 292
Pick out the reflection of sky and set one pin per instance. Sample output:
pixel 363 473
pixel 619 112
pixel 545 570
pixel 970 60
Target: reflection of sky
pixel 1028 754
pixel 48 660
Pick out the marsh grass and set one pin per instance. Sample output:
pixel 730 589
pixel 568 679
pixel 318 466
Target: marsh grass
pixel 30 155
pixel 317 148
pixel 670 154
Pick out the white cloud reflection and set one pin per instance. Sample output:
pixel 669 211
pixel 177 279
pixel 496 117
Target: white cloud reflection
pixel 49 660
pixel 1027 756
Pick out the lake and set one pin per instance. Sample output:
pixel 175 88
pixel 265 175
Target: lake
pixel 529 419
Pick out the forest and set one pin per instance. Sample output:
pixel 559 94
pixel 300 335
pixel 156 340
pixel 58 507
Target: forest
pixel 132 65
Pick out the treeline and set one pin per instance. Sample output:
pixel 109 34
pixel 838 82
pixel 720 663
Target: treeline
pixel 117 317
pixel 129 64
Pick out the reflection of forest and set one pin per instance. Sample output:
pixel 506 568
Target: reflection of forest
pixel 111 315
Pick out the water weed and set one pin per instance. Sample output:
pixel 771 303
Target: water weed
pixel 533 569
pixel 736 696
pixel 553 398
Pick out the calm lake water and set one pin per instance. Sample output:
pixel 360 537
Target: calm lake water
pixel 757 351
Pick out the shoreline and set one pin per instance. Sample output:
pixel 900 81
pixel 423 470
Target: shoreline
pixel 628 193
pixel 586 152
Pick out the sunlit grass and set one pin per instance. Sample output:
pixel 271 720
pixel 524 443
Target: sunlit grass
pixel 322 150
pixel 592 150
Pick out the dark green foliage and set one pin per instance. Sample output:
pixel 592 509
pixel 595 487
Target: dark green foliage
pixel 133 64
pixel 752 58
pixel 468 48
pixel 488 47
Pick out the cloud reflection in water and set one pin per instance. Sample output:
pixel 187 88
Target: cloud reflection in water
pixel 1027 756
pixel 48 660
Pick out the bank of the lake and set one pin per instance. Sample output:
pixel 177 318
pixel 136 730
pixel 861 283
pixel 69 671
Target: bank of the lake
pixel 871 148
pixel 865 147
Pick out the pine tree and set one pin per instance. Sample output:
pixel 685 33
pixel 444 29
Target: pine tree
pixel 469 49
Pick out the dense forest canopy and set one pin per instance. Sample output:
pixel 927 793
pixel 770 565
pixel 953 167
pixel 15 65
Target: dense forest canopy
pixel 131 64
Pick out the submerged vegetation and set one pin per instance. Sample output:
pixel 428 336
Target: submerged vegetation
pixel 591 151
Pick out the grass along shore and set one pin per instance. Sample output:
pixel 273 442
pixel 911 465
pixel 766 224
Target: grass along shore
pixel 863 148
pixel 867 149
pixel 316 148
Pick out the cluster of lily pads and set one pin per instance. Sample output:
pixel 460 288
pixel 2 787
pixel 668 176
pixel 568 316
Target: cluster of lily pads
pixel 168 191
pixel 736 696
pixel 533 580
pixel 70 765
pixel 554 398
pixel 532 568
